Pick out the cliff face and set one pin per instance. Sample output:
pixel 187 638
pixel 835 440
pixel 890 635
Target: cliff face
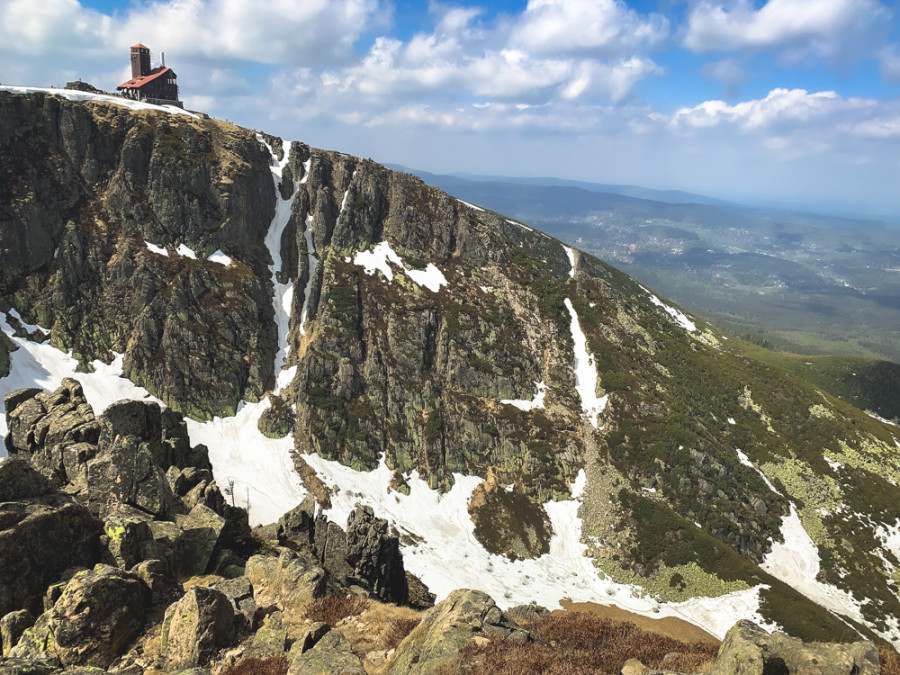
pixel 446 338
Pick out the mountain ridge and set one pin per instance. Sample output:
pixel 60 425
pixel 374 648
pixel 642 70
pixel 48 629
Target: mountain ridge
pixel 422 321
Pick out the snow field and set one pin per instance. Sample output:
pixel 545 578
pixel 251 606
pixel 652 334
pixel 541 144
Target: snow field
pixel 74 95
pixel 570 252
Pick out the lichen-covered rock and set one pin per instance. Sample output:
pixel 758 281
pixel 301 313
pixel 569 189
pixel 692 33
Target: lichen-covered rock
pixel 448 627
pixel 196 627
pixel 419 595
pixel 98 614
pixel 126 531
pixel 331 654
pixel 12 626
pixel 531 612
pixel 270 639
pixel 749 650
pixel 277 421
pixel 11 666
pixel 288 581
pixel 33 532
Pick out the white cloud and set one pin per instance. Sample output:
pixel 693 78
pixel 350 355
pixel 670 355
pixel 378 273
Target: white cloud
pixel 798 28
pixel 781 107
pixel 599 27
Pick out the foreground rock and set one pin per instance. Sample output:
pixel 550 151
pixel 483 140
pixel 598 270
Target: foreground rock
pixel 331 654
pixel 97 616
pixel 196 627
pixel 750 650
pixel 34 529
pixel 448 627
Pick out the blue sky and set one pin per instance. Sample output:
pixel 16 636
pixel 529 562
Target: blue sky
pixel 769 101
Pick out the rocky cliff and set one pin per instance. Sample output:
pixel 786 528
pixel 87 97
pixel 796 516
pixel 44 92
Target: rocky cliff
pixel 443 340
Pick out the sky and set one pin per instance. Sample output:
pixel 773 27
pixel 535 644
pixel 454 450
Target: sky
pixel 780 102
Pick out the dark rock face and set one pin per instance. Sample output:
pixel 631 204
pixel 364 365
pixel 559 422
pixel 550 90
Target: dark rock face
pixel 32 534
pixel 19 481
pixel 749 650
pixel 196 333
pixel 374 556
pixel 98 614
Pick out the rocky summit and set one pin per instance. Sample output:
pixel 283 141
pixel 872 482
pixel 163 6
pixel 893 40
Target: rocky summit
pixel 207 328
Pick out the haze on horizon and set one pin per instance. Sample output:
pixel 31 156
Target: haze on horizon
pixel 790 102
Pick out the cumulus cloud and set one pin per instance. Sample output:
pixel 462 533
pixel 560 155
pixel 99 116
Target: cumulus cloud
pixel 800 29
pixel 607 28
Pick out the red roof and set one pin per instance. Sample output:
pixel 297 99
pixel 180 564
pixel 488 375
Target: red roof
pixel 140 45
pixel 138 82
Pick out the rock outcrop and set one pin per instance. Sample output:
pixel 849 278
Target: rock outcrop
pixel 448 627
pixel 196 627
pixel 749 650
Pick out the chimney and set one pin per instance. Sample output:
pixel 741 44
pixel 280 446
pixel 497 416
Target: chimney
pixel 163 54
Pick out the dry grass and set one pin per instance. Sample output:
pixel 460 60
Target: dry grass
pixel 580 644
pixel 380 628
pixel 333 608
pixel 890 661
pixel 273 665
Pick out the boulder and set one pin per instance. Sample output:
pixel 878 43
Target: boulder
pixel 749 650
pixel 126 533
pixel 18 480
pixel 308 638
pixel 11 628
pixel 239 592
pixel 288 581
pixel 196 627
pixel 195 546
pixel 33 532
pixel 157 575
pixel 270 639
pixel 448 627
pixel 98 614
pixel 332 654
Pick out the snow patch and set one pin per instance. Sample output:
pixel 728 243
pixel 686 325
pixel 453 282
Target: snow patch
pixel 571 254
pixel 796 563
pixel 679 317
pixel 220 258
pixel 186 252
pixel 743 459
pixel 30 328
pixel 382 256
pixel 536 402
pixel 75 95
pixel 731 420
pixel 513 222
pixel 284 292
pixel 153 248
pixel 471 206
pixel 833 464
pixel 586 379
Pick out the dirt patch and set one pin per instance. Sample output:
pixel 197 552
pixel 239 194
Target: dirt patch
pixel 677 629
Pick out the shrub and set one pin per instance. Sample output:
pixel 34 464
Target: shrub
pixel 398 629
